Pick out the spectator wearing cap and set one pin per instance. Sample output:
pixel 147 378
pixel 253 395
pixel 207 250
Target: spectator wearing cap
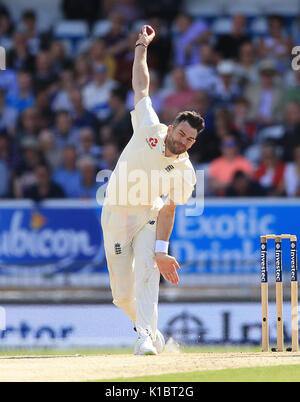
pixel 8 116
pixel 67 176
pixel 270 171
pixel 23 97
pixel 88 187
pixel 226 89
pixel 222 170
pixel 81 117
pixel 96 94
pixel 64 132
pixel 228 45
pixel 44 188
pixel 265 98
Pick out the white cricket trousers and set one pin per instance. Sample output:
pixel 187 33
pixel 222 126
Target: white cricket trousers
pixel 129 242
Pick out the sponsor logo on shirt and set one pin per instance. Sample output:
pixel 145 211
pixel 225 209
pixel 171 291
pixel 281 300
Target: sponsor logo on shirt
pixel 152 142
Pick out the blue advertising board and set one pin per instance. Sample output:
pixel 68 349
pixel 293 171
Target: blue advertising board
pixel 55 237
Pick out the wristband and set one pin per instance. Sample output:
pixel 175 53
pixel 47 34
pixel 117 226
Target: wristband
pixel 141 44
pixel 161 246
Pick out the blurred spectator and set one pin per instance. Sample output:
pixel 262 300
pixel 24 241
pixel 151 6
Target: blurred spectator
pixel 4 182
pixel 19 57
pixel 59 60
pixel 265 98
pixel 96 94
pixel 46 143
pixel 226 90
pixel 116 38
pixel 291 180
pixel 83 71
pixel 6 29
pixel 202 76
pixel 64 132
pixel 99 55
pixel 87 187
pixel 222 170
pixel 87 145
pixel 8 116
pixel 24 173
pixel 44 188
pixel 80 116
pixel 292 129
pixel 190 34
pixel 242 124
pixel 23 97
pixel 276 44
pixel 243 186
pixel 44 76
pixel 296 30
pixel 118 124
pixel 43 107
pixel 8 81
pixel 62 97
pixel 270 171
pixel 181 98
pixel 246 68
pixel 110 156
pixel 228 45
pixel 292 90
pixel 129 9
pixel 29 125
pixel 67 176
pixel 35 40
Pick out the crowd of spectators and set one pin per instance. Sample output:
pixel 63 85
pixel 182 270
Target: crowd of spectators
pixel 64 115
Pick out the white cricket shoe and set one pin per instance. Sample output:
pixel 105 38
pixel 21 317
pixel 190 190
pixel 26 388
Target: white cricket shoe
pixel 159 341
pixel 144 346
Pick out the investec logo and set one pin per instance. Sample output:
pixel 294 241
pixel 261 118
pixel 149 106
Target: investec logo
pixel 278 263
pixel 263 263
pixel 293 262
pixel 2 58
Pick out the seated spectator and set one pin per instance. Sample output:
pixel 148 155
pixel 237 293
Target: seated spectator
pixel 83 71
pixel 44 75
pixel 276 44
pixel 6 29
pixel 265 98
pixel 43 107
pixel 228 45
pixel 23 97
pixel 87 145
pixel 296 30
pixel 29 125
pixel 81 117
pixel 291 129
pixel 35 40
pixel 99 55
pixel 96 94
pixel 245 127
pixel 8 81
pixel 59 60
pixel 8 116
pixel 243 186
pixel 62 99
pixel 88 187
pixel 202 76
pixel 9 152
pixel 270 171
pixel 222 170
pixel 189 36
pixel 118 124
pixel 182 98
pixel 291 179
pixel 44 188
pixel 226 90
pixel 130 10
pixel 64 132
pixel 109 157
pixel 4 182
pixel 292 90
pixel 246 68
pixel 67 176
pixel 46 143
pixel 19 57
pixel 116 38
pixel 24 174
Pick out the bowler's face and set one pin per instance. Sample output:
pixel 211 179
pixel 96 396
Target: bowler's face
pixel 180 138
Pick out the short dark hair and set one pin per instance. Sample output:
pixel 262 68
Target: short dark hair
pixel 193 118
